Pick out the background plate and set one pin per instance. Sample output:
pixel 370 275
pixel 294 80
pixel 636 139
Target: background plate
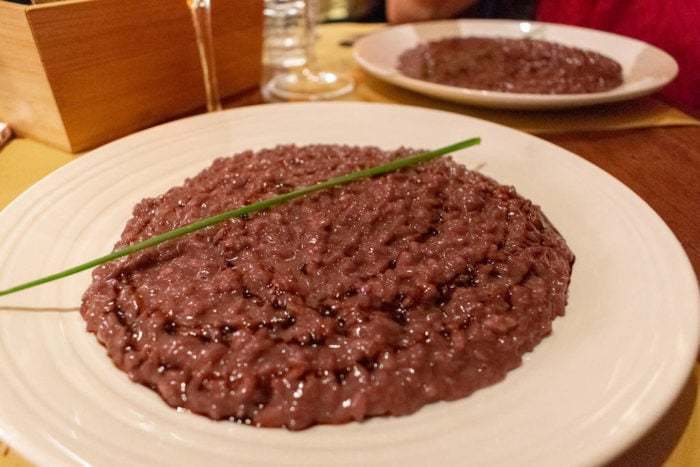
pixel 645 68
pixel 610 369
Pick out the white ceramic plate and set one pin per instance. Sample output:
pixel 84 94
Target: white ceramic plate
pixel 610 369
pixel 645 68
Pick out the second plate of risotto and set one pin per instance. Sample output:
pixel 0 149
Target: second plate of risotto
pixel 514 64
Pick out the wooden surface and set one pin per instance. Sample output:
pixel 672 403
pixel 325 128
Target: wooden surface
pixel 25 94
pixel 113 67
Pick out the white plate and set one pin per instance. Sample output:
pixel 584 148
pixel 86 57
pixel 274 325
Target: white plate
pixel 645 68
pixel 610 369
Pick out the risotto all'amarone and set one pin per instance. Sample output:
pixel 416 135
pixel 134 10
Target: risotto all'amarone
pixel 374 298
pixel 511 65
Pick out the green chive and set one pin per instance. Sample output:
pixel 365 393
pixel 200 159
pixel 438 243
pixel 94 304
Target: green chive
pixel 249 209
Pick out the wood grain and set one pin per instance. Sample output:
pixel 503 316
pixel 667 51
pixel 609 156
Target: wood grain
pixel 112 67
pixel 22 74
pixel 140 67
pixel 661 165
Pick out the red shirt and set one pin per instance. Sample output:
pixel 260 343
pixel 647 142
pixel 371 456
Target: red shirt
pixel 672 25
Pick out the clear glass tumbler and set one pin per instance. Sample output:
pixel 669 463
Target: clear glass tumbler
pixel 284 34
pixel 308 82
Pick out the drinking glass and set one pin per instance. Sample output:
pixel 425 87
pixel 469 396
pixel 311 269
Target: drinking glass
pixel 283 34
pixel 201 18
pixel 308 83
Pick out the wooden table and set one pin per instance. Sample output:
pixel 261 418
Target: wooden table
pixel 662 165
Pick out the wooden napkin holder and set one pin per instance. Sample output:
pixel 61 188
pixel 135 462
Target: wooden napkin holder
pixel 77 74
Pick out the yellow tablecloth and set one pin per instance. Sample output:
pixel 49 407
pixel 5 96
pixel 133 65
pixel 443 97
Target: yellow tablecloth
pixel 23 162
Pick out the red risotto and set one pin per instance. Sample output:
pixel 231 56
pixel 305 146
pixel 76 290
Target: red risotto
pixel 375 298
pixel 511 65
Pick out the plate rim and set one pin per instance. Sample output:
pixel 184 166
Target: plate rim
pixel 23 443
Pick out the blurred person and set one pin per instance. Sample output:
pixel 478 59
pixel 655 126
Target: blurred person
pixel 671 25
pixel 402 11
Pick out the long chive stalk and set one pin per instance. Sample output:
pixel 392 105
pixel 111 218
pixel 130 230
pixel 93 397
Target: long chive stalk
pixel 249 209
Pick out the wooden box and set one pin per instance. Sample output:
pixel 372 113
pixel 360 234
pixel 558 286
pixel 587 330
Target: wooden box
pixel 76 74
